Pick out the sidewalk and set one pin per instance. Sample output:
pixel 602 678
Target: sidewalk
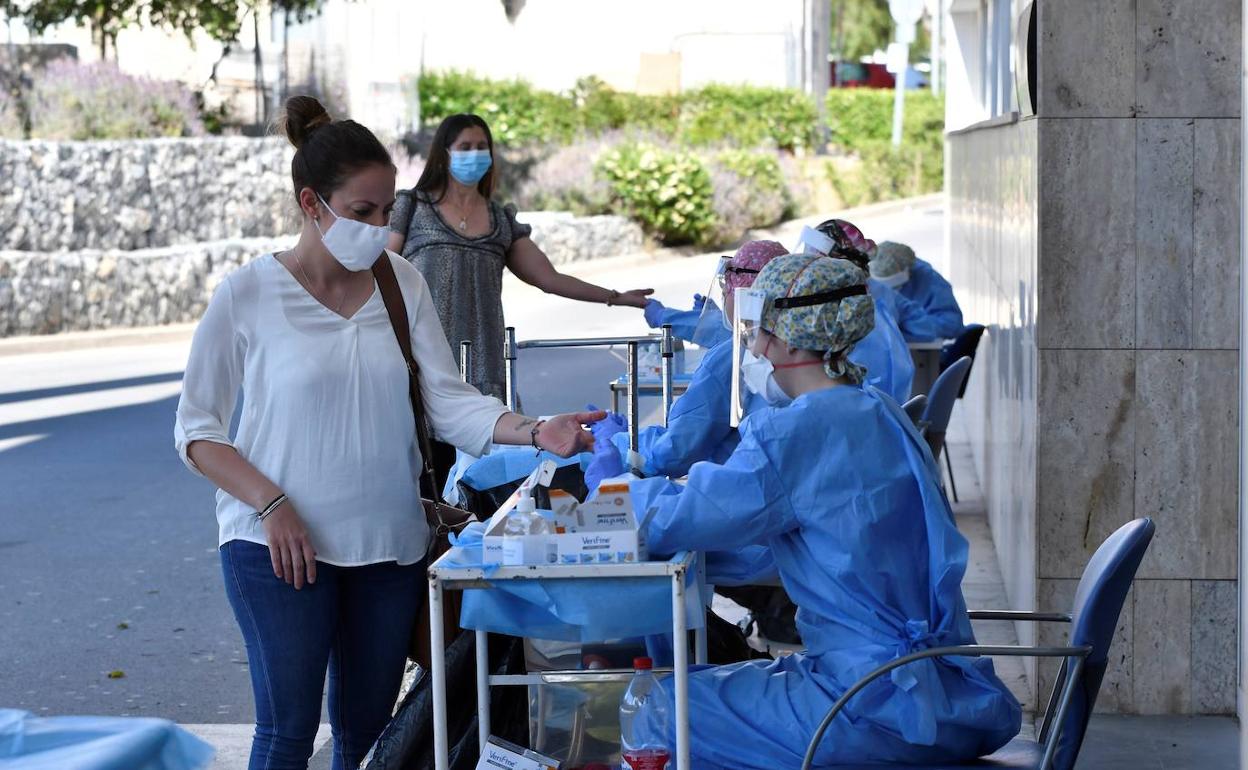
pixel 1113 742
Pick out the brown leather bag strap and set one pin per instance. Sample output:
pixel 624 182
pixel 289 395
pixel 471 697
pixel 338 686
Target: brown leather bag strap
pixel 392 296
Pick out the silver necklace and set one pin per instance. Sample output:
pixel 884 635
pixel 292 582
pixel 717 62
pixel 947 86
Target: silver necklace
pixel 463 220
pixel 299 263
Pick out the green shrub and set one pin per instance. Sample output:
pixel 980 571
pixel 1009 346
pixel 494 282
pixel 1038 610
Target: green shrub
pixel 887 173
pixel 668 191
pixel 748 116
pixel 742 116
pixel 861 116
pixel 98 101
pixel 516 111
pixel 861 122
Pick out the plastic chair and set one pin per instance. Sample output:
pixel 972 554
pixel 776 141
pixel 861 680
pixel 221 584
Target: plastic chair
pixel 1098 602
pixel 964 345
pixel 940 409
pixel 914 409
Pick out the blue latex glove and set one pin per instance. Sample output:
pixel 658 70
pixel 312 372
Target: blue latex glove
pixel 654 313
pixel 698 303
pixel 607 427
pixel 606 464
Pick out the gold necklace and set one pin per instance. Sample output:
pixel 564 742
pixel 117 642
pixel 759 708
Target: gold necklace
pixel 308 281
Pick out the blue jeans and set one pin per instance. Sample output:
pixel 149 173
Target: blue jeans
pixel 354 620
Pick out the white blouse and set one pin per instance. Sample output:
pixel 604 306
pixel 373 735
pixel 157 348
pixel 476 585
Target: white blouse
pixel 326 414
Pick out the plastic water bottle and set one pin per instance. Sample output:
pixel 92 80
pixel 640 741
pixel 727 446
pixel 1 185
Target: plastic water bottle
pixel 644 703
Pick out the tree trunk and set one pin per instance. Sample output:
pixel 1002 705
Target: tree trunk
pixel 285 55
pixel 262 111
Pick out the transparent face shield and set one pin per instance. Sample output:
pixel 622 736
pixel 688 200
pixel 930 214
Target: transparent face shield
pixel 748 307
pixel 711 321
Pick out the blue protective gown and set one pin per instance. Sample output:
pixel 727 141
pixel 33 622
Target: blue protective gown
pixel 688 325
pixel 883 352
pixel 697 427
pixel 844 492
pixel 930 291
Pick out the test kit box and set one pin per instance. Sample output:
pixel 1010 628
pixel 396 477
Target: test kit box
pixel 600 531
pixel 502 755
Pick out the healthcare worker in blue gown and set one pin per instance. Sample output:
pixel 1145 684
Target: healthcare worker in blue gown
pixel 896 266
pixel 698 427
pixel 883 352
pixel 844 493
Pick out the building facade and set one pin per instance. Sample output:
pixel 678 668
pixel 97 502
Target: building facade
pixel 1099 241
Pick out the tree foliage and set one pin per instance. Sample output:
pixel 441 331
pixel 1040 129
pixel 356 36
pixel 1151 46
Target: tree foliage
pixel 861 27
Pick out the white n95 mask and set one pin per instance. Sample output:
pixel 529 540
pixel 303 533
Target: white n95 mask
pixel 356 245
pixel 760 379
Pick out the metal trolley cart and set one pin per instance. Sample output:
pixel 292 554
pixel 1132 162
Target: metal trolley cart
pixel 444 576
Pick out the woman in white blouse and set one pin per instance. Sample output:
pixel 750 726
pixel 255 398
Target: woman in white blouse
pixel 321 532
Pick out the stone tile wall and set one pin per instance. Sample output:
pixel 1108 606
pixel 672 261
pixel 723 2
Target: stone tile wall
pixel 1137 272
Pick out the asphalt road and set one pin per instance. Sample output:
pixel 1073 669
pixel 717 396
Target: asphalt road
pixel 108 563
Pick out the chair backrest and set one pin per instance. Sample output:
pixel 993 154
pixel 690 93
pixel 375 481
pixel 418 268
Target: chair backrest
pixel 915 407
pixel 1098 603
pixel 964 345
pixel 944 393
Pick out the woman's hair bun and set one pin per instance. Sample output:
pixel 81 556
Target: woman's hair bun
pixel 301 116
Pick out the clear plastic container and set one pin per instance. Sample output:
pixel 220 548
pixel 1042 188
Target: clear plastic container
pixel 643 704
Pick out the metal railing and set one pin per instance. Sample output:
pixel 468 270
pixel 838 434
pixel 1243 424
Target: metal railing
pixel 666 347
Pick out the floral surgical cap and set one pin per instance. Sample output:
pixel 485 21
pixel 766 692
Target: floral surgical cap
pixel 752 256
pixel 892 258
pixel 849 242
pixel 832 327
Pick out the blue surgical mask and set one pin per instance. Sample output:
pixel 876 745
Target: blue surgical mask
pixel 469 166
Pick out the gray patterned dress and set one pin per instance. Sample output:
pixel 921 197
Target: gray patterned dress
pixel 465 277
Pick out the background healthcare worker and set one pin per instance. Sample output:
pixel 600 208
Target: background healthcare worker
pixel 698 427
pixel 883 353
pixel 843 491
pixel 896 266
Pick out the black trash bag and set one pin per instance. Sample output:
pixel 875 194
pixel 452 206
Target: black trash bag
pixel 407 742
pixel 483 502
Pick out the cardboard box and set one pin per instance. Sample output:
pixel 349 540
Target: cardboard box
pixel 601 531
pixel 502 755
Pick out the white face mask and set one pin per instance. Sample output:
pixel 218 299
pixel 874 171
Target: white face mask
pixel 356 245
pixel 895 280
pixel 760 379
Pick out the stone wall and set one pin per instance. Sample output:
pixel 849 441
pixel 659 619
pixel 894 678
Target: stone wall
pixel 139 194
pixel 96 235
pixel 44 293
pixel 1135 278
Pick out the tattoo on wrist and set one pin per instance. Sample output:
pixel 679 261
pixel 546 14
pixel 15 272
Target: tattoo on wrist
pixel 525 424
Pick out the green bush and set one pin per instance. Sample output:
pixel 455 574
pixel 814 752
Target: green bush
pixel 887 173
pixel 861 116
pixel 516 111
pixel 668 191
pixel 748 116
pixel 742 116
pixel 861 122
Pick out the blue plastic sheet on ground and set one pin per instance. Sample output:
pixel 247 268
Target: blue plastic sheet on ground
pixel 97 743
pixel 572 610
pixel 502 465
